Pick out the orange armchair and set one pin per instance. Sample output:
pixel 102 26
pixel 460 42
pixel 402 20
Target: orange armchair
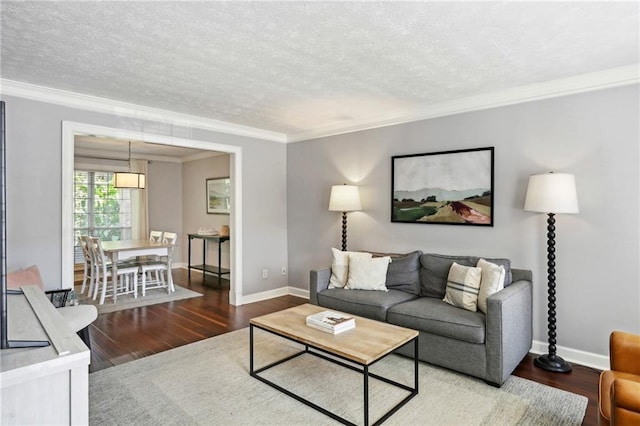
pixel 619 388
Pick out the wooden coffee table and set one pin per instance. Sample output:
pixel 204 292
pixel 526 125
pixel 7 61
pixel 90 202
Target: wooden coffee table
pixel 379 338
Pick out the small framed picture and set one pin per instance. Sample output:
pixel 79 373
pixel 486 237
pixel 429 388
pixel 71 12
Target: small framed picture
pixel 219 195
pixel 449 187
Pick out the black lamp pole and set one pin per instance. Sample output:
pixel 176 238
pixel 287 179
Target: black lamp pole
pixel 344 231
pixel 551 361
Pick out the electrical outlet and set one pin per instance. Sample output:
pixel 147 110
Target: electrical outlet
pixel 265 274
pixel 284 271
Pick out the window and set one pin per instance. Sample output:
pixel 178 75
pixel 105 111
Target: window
pixel 99 209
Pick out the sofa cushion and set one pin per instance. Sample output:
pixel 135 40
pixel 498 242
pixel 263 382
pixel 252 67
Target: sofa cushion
pixel 369 304
pixel 491 283
pixel 434 270
pixel 463 286
pixel 340 266
pixel 434 316
pixel 24 277
pixel 404 273
pixel 367 273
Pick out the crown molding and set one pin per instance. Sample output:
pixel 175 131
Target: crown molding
pixel 108 106
pixel 118 156
pixel 614 77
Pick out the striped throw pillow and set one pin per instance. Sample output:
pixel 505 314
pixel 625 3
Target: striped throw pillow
pixel 463 286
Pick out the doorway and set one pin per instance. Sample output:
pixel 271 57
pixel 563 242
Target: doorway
pixel 71 129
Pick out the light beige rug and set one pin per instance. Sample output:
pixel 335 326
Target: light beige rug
pixel 127 301
pixel 208 383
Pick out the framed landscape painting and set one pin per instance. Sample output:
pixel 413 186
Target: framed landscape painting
pixel 448 187
pixel 219 195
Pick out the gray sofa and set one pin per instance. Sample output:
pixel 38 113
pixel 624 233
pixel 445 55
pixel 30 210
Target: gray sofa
pixel 486 346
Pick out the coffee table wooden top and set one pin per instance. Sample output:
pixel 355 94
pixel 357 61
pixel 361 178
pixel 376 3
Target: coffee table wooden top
pixel 369 341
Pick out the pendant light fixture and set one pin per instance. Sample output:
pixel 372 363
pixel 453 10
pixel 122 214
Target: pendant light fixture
pixel 129 180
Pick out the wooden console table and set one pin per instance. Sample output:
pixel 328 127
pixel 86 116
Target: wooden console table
pixel 211 269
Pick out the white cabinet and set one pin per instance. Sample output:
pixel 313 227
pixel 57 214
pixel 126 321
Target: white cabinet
pixel 48 385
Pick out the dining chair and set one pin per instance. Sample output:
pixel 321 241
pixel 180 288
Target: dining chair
pixel 89 274
pixel 154 236
pixel 153 273
pixel 125 283
pixel 91 266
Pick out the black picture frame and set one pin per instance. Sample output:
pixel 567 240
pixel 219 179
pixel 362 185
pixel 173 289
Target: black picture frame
pixel 218 195
pixel 445 188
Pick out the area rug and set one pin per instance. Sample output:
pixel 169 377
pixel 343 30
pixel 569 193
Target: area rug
pixel 208 382
pixel 127 301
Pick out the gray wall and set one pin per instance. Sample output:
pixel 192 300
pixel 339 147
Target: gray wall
pixel 593 135
pixel 194 175
pixel 164 192
pixel 34 152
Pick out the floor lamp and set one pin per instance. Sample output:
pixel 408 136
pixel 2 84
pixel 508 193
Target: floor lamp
pixel 344 198
pixel 552 193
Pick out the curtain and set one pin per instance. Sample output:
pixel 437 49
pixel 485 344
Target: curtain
pixel 140 204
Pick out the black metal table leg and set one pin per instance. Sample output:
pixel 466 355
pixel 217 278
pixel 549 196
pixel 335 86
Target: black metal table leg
pixel 366 395
pixel 415 361
pixel 204 258
pixel 219 260
pixel 251 349
pixel 189 257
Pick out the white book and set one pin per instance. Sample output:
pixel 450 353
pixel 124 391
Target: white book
pixel 329 330
pixel 332 320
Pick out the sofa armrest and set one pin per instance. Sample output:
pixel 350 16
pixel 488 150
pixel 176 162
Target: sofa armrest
pixel 624 350
pixel 625 402
pixel 509 329
pixel 318 281
pixel 521 275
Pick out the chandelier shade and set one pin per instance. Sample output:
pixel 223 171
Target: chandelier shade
pixel 130 179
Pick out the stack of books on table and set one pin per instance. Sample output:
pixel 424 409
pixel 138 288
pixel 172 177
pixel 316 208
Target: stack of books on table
pixel 331 322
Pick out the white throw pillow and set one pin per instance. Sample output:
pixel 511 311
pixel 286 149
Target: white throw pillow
pixel 463 285
pixel 340 266
pixel 492 282
pixel 367 273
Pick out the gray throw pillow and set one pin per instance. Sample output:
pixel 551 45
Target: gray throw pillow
pixel 434 270
pixel 404 273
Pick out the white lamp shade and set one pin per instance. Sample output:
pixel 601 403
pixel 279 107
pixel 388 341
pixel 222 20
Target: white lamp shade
pixel 344 198
pixel 552 193
pixel 129 180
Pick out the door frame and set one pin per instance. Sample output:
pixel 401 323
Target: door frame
pixel 70 129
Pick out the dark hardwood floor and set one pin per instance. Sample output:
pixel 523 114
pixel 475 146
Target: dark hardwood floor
pixel 123 336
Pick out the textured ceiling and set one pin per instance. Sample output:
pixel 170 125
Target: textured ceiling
pixel 294 67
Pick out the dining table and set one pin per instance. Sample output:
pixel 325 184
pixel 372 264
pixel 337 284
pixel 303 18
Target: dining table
pixel 122 250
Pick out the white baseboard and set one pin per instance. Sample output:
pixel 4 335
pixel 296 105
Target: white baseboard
pixel 298 292
pixel 588 359
pixel 278 292
pixel 258 297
